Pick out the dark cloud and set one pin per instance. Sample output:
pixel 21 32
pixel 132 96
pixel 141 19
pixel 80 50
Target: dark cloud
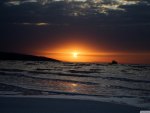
pixel 118 25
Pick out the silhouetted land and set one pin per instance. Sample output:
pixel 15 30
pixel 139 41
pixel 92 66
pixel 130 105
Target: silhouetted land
pixel 24 57
pixel 113 62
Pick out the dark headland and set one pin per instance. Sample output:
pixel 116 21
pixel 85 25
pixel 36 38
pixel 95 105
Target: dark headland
pixel 24 57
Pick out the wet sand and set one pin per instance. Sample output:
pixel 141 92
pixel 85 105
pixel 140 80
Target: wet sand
pixel 52 105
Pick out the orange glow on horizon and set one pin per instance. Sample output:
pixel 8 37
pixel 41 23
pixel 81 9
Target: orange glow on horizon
pixel 79 47
pixel 100 57
pixel 83 53
pixel 70 52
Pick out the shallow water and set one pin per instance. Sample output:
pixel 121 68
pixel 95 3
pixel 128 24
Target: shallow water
pixel 124 84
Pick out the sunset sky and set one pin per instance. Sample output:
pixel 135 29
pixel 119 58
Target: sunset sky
pixel 77 30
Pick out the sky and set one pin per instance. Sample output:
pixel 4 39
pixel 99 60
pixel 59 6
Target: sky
pixel 95 30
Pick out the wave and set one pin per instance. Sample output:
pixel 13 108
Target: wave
pixel 12 70
pixel 41 78
pixel 72 75
pixel 128 88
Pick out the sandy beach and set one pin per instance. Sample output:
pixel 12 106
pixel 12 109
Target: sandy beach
pixel 51 105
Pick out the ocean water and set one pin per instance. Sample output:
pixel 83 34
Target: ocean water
pixel 122 83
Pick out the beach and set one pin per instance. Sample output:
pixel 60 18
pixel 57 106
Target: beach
pixel 53 105
pixel 89 82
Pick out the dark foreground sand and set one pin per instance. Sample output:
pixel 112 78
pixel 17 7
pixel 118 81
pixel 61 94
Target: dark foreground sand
pixel 48 105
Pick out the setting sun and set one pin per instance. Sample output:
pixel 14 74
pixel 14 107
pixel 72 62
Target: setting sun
pixel 75 54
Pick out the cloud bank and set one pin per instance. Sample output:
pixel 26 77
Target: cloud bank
pixel 83 7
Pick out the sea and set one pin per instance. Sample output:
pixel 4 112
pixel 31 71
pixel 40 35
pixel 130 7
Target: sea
pixel 127 84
